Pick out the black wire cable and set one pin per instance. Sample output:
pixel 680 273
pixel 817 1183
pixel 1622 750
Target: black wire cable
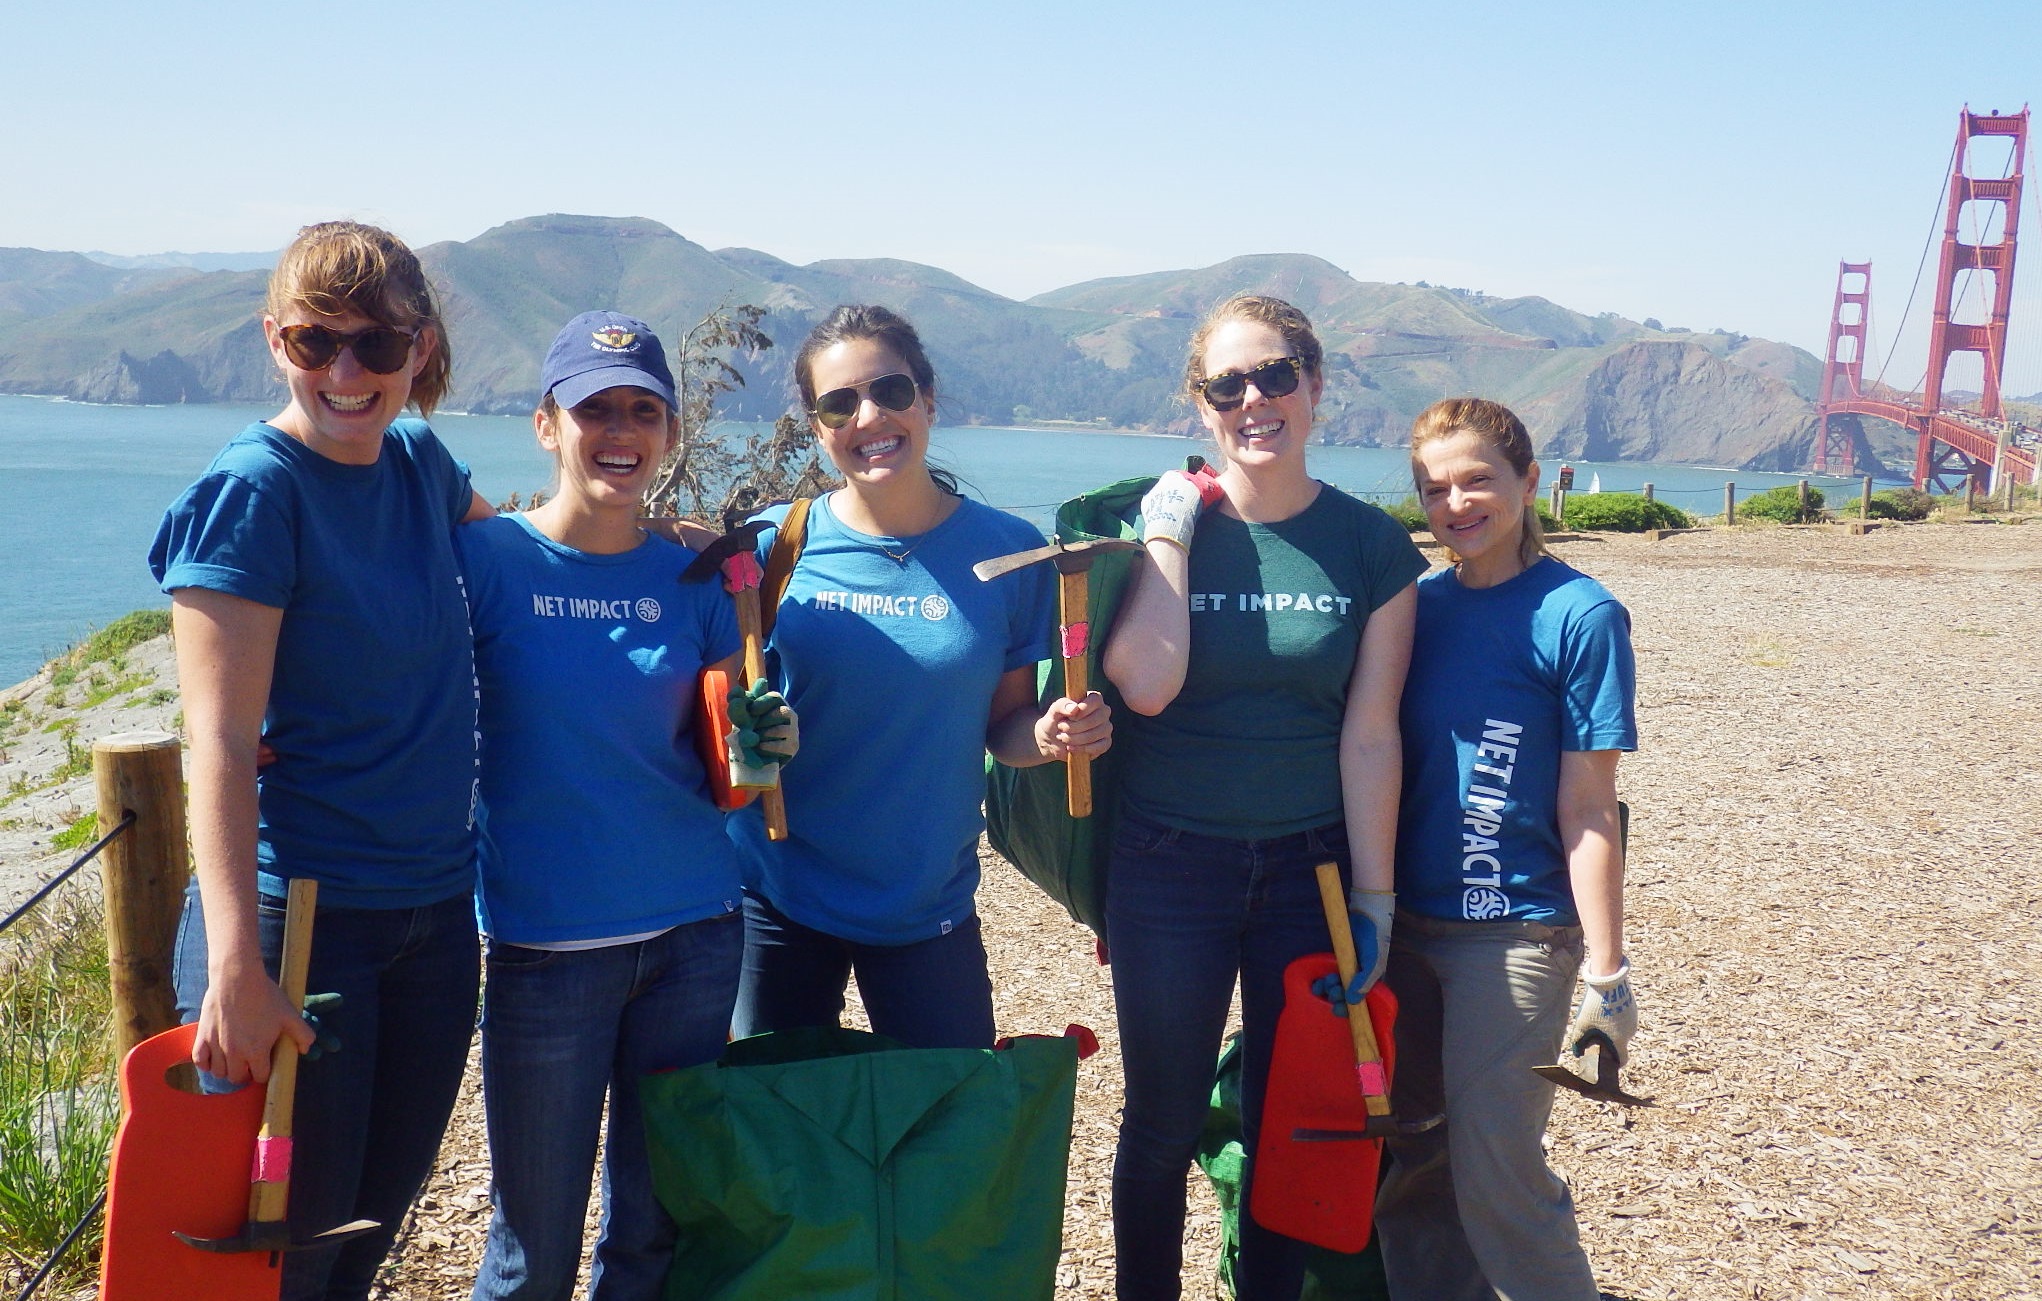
pixel 62 1247
pixel 127 820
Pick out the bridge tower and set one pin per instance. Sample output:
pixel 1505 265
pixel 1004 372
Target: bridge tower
pixel 1935 459
pixel 1838 434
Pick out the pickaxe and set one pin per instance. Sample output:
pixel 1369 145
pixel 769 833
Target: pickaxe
pixel 735 554
pixel 269 1190
pixel 1599 1078
pixel 1073 560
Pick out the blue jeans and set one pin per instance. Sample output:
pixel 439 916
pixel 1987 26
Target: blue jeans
pixel 929 994
pixel 369 1118
pixel 560 1030
pixel 1185 915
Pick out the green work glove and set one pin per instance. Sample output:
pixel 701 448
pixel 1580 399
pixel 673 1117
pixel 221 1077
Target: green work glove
pixel 764 732
pixel 324 1041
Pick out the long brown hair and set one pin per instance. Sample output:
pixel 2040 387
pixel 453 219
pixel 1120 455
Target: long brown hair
pixel 336 267
pixel 1499 429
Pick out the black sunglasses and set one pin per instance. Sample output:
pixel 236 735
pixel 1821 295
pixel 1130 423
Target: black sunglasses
pixel 381 349
pixel 839 406
pixel 1272 379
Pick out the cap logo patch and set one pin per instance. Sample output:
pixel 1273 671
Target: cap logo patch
pixel 614 339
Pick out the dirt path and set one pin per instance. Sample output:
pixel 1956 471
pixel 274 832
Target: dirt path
pixel 1833 892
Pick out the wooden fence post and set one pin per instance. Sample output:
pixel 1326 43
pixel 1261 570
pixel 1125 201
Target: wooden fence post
pixel 1970 494
pixel 1729 503
pixel 1801 506
pixel 2010 490
pixel 144 872
pixel 1647 490
pixel 1865 499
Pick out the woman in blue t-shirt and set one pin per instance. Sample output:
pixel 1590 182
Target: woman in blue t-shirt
pixel 610 894
pixel 1261 649
pixel 318 611
pixel 906 670
pixel 1509 857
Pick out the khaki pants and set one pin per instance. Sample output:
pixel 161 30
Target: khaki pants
pixel 1470 1210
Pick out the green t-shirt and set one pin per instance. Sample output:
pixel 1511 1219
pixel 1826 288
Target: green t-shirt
pixel 1250 748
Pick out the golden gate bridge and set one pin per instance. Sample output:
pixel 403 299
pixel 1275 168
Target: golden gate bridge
pixel 1953 442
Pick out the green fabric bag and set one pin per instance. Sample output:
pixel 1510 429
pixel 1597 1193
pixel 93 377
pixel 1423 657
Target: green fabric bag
pixel 831 1163
pixel 1028 819
pixel 1329 1275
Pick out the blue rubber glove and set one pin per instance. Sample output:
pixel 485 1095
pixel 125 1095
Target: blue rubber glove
pixel 324 1041
pixel 1366 973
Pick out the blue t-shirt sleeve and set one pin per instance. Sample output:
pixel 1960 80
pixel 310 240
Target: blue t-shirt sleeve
pixel 439 466
pixel 1032 614
pixel 1598 681
pixel 226 535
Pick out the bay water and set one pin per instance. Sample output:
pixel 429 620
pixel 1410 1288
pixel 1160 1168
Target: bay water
pixel 82 488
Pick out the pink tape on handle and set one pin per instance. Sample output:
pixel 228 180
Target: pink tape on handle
pixel 1076 635
pixel 1373 1081
pixel 272 1161
pixel 741 572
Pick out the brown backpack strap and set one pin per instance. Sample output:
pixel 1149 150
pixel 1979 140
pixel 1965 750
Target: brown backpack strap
pixel 780 562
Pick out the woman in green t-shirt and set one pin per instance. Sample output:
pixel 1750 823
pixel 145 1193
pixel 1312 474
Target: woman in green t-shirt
pixel 1261 652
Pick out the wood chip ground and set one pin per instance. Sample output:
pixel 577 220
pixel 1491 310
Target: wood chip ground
pixel 1834 890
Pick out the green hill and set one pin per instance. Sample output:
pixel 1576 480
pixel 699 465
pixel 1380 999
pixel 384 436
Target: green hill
pixel 1110 349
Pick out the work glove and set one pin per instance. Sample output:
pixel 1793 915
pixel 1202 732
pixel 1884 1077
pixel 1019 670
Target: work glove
pixel 1170 509
pixel 1608 1014
pixel 1369 914
pixel 763 734
pixel 324 1041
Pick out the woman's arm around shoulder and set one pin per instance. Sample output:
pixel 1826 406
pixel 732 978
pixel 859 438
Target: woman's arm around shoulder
pixel 226 652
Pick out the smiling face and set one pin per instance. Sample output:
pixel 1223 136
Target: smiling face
pixel 1263 430
pixel 1476 503
pixel 608 445
pixel 341 412
pixel 877 446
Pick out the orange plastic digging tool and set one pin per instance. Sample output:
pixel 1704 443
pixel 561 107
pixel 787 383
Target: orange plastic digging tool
pixel 200 1184
pixel 1319 1145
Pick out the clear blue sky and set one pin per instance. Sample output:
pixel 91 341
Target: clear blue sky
pixel 1705 165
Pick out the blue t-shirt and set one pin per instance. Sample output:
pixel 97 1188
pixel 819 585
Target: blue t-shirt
pixel 891 665
pixel 1503 679
pixel 596 818
pixel 372 704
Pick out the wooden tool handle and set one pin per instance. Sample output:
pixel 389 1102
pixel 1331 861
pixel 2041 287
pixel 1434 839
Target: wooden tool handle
pixel 1366 1053
pixel 750 630
pixel 269 1190
pixel 1073 595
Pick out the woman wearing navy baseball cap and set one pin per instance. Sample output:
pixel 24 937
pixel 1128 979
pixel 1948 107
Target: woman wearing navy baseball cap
pixel 610 894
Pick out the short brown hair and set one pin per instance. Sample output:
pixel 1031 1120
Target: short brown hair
pixel 1278 315
pixel 1499 429
pixel 337 267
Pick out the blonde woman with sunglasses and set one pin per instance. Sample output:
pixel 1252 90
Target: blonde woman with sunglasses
pixel 1261 649
pixel 318 612
pixel 905 670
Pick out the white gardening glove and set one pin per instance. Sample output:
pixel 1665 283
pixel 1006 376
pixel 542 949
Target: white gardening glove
pixel 1369 914
pixel 1609 1010
pixel 1170 509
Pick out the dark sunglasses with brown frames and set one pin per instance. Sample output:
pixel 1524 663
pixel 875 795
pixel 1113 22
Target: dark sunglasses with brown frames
pixel 381 349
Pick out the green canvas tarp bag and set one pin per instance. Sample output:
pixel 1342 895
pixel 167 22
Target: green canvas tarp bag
pixel 1028 821
pixel 829 1163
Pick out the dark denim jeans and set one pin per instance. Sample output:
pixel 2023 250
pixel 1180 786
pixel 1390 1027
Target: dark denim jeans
pixel 1185 915
pixel 560 1030
pixel 929 994
pixel 369 1118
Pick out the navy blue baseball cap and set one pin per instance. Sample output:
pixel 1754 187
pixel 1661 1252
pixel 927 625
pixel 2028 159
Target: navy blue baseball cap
pixel 599 350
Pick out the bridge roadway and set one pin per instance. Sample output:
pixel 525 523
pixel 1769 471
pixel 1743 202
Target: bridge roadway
pixel 1967 431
